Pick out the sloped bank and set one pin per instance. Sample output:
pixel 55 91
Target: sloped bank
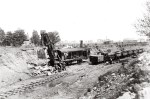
pixel 142 90
pixel 125 83
pixel 14 64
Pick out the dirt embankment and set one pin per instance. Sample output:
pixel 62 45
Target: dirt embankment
pixel 14 64
pixel 130 82
pixel 83 84
pixel 142 89
pixel 73 86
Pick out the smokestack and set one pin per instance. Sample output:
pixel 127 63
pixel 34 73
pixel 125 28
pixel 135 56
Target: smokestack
pixel 81 43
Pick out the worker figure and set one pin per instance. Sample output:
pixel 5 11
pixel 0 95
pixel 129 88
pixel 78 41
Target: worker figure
pixel 60 63
pixel 65 55
pixel 108 59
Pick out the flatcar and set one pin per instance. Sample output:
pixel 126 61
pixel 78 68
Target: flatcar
pixel 70 55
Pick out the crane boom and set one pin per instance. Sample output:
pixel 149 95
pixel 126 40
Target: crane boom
pixel 59 65
pixel 50 47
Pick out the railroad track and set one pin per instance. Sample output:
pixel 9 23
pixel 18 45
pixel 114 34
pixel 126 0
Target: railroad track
pixel 31 85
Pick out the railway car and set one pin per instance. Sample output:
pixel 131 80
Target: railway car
pixel 103 57
pixel 130 52
pixel 70 55
pixel 112 56
pixel 124 53
pixel 116 56
pixel 95 59
pixel 135 51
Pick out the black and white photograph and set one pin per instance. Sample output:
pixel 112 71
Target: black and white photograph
pixel 74 49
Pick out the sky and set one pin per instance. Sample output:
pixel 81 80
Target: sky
pixel 74 19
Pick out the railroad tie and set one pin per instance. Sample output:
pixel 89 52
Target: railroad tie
pixel 43 82
pixel 55 78
pixel 21 89
pixel 60 76
pixel 11 93
pixel 3 97
pixel 40 83
pixel 31 85
pixel 8 93
pixel 26 87
pixel 36 84
pixel 16 91
pixel 50 79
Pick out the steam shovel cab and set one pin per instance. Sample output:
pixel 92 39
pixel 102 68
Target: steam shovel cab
pixel 70 55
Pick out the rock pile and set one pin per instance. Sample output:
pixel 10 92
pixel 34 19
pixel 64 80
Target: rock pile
pixel 145 59
pixel 114 84
pixel 41 68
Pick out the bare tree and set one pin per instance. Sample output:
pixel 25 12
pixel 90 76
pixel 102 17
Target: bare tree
pixel 54 37
pixel 19 37
pixel 35 38
pixel 8 39
pixel 2 36
pixel 143 25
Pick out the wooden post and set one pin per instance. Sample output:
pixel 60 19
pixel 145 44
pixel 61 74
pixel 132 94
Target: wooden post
pixel 81 43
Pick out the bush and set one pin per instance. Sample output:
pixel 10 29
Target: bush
pixel 18 37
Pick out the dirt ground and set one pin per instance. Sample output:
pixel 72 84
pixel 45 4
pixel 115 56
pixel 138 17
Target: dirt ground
pixel 70 84
pixel 80 78
pixel 14 64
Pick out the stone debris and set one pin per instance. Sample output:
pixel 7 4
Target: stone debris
pixel 115 84
pixel 145 58
pixel 41 70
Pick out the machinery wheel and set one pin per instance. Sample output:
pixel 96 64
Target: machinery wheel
pixel 79 61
